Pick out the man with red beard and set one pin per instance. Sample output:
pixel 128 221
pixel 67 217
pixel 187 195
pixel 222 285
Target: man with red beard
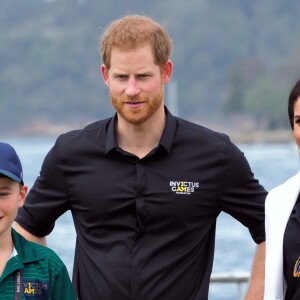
pixel 144 187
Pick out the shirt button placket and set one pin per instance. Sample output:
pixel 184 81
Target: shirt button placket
pixel 140 201
pixel 140 227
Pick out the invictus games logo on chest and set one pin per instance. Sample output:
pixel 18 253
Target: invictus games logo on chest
pixel 36 290
pixel 183 187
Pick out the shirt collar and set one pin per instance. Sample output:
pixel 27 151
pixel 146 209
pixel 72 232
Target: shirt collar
pixel 27 251
pixel 111 139
pixel 167 137
pixel 165 141
pixel 14 253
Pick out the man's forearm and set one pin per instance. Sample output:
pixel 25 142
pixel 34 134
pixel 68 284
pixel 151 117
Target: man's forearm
pixel 256 284
pixel 28 236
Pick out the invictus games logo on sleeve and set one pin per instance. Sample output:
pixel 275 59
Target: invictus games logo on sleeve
pixel 183 187
pixel 36 290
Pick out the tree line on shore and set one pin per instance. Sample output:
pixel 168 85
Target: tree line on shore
pixel 235 61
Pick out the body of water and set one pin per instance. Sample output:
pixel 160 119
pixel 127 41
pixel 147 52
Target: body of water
pixel 271 163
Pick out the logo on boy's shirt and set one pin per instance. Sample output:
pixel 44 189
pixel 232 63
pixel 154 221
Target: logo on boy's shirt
pixel 183 187
pixel 36 289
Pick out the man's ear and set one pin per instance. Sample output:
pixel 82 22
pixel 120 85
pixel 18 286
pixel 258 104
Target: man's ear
pixel 167 71
pixel 104 72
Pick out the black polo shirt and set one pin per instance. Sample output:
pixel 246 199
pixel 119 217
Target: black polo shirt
pixel 145 227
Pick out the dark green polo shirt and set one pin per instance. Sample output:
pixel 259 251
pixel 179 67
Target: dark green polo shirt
pixel 44 275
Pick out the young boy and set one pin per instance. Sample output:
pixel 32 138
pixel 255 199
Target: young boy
pixel 27 270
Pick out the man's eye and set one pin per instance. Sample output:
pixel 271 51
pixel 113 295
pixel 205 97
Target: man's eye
pixel 143 76
pixel 121 77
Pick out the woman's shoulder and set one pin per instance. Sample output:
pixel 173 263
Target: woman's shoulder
pixel 293 181
pixel 283 194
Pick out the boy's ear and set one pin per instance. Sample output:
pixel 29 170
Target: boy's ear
pixel 23 193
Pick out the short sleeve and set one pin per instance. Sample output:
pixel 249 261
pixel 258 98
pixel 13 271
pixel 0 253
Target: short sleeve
pixel 62 287
pixel 47 200
pixel 241 194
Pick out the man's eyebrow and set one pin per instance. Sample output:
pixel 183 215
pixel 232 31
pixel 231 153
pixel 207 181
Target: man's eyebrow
pixel 145 73
pixel 115 74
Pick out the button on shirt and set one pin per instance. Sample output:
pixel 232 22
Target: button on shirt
pixel 145 227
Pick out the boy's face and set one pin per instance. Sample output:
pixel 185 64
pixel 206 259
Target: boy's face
pixel 12 196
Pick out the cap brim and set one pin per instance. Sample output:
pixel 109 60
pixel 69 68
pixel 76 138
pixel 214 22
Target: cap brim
pixel 11 176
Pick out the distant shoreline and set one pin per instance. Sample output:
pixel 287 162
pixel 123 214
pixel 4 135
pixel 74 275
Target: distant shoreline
pixel 239 137
pixel 44 128
pixel 262 136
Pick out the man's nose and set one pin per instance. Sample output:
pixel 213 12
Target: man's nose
pixel 132 88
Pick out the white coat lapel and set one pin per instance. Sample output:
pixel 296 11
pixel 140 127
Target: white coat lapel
pixel 279 205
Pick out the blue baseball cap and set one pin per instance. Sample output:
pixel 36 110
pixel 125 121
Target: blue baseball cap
pixel 10 164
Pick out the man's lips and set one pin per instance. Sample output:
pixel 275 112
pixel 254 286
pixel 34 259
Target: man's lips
pixel 134 104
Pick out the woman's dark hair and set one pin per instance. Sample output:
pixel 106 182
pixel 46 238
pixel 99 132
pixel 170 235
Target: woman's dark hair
pixel 295 93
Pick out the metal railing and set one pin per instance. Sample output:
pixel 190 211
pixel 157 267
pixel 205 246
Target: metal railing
pixel 239 279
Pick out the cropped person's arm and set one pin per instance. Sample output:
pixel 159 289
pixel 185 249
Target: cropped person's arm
pixel 28 236
pixel 256 284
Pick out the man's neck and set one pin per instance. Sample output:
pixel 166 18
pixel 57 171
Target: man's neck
pixel 140 139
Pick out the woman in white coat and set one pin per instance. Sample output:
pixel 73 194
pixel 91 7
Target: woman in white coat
pixel 282 273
